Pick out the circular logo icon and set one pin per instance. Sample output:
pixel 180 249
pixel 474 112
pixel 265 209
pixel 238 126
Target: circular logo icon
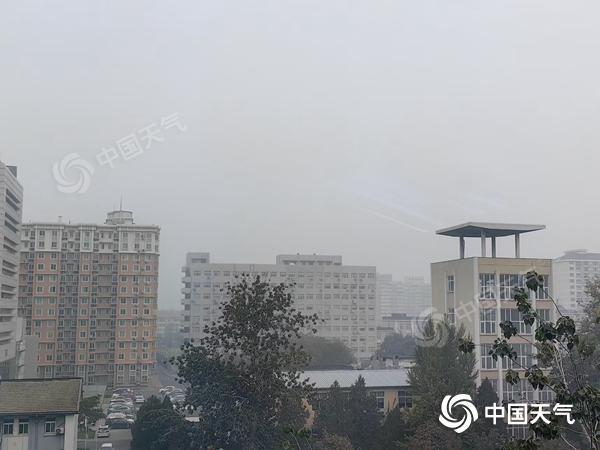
pixel 470 413
pixel 430 329
pixel 73 174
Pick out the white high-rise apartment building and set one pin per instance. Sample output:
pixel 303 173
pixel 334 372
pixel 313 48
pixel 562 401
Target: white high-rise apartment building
pixel 571 273
pixel 343 296
pixel 11 205
pixel 477 292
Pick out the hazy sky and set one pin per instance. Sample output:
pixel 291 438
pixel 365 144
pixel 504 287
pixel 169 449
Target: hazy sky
pixel 346 127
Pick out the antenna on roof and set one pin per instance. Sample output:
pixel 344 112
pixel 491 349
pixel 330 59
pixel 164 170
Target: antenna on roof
pixel 121 204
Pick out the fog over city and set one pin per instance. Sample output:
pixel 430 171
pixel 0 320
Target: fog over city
pixel 338 127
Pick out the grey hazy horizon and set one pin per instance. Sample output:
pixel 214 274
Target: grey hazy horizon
pixel 339 127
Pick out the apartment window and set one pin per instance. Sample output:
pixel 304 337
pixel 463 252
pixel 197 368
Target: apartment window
pixel 487 321
pixel 514 316
pixel 380 398
pixel 487 285
pixel 450 284
pixel 404 399
pixel 544 314
pixel 50 425
pixel 508 283
pixel 487 362
pixel 23 426
pixel 542 292
pixel 8 426
pixel 525 357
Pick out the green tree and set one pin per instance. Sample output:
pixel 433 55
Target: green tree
pixel 394 430
pixel 331 415
pixel 332 442
pixel 351 414
pixel 430 435
pixel 159 427
pixel 485 396
pixel 90 409
pixel 244 375
pixel 397 346
pixel 326 353
pixel 364 416
pixel 439 370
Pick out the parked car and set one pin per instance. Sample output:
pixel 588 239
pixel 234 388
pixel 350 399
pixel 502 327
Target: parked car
pixel 175 393
pixel 106 445
pixel 103 431
pixel 122 409
pixel 118 421
pixel 139 398
pixel 122 391
pixel 166 390
pixel 179 400
pixel 121 401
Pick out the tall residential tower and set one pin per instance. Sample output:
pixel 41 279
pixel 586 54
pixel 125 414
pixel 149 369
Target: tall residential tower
pixel 89 293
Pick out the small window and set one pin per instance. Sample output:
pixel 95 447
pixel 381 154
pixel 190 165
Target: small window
pixel 380 398
pixel 50 425
pixel 404 399
pixel 8 426
pixel 23 426
pixel 450 284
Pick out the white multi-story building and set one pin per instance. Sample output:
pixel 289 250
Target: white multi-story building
pixel 571 272
pixel 477 292
pixel 409 297
pixel 11 204
pixel 343 296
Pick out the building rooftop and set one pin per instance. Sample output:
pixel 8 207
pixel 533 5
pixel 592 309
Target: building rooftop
pixel 579 255
pixel 40 396
pixel 488 229
pixel 323 379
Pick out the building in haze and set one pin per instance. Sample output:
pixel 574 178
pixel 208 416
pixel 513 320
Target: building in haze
pixel 410 297
pixel 11 205
pixel 571 273
pixel 168 328
pixel 89 293
pixel 343 296
pixel 477 292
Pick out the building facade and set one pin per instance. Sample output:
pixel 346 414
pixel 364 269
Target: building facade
pixel 25 362
pixel 571 273
pixel 390 387
pixel 11 206
pixel 39 414
pixel 343 296
pixel 89 293
pixel 477 292
pixel 410 297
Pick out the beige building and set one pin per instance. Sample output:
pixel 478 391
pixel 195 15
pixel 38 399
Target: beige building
pixel 389 387
pixel 89 293
pixel 477 292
